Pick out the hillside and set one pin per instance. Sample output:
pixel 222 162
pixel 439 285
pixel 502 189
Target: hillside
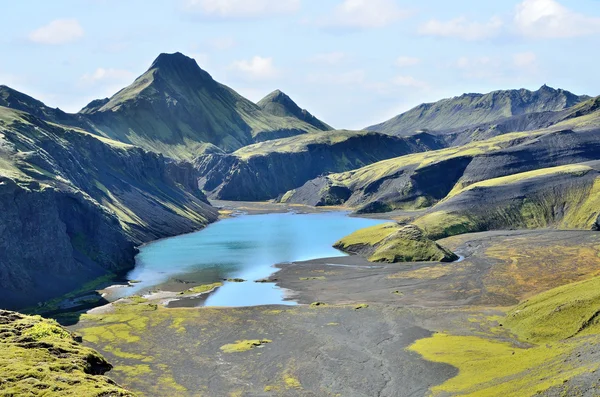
pixel 269 169
pixel 279 104
pixel 40 358
pixel 175 108
pixel 470 110
pixel 75 206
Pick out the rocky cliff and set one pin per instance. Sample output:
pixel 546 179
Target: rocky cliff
pixel 75 206
pixel 267 170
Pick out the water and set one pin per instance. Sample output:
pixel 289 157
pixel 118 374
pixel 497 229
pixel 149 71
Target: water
pixel 243 247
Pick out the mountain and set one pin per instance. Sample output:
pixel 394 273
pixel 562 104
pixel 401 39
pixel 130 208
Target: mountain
pixel 75 205
pixel 176 108
pixel 421 180
pixel 470 110
pixel 266 170
pixel 279 104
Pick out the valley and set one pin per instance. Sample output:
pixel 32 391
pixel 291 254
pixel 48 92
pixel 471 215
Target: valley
pixel 192 242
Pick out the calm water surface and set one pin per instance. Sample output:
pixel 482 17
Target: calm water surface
pixel 244 247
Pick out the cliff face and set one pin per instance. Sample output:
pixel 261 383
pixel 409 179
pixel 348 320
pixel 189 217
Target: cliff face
pixel 75 206
pixel 265 171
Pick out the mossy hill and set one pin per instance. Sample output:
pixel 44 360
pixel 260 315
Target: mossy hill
pixel 176 108
pixel 473 109
pixel 279 104
pixel 393 243
pixel 40 358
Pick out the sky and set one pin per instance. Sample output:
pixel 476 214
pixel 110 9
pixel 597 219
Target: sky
pixel 352 63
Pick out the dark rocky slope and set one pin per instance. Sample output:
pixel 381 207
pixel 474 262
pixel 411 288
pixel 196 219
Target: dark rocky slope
pixel 176 108
pixel 470 110
pixel 75 206
pixel 267 170
pixel 421 180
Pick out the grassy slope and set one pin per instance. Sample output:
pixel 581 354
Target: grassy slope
pixel 175 108
pixel 472 109
pixel 40 358
pixel 394 243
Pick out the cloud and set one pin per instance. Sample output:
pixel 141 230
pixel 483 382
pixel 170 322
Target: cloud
pixel 549 19
pixel 107 76
pixel 525 60
pixel 241 9
pixel 403 62
pixel 222 43
pixel 257 68
pixel 353 77
pixel 329 58
pixel 365 14
pixel 462 28
pixel 410 82
pixel 59 31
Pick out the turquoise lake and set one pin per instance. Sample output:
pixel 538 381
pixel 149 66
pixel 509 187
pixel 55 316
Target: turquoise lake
pixel 243 247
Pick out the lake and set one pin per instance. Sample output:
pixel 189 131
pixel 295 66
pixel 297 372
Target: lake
pixel 243 247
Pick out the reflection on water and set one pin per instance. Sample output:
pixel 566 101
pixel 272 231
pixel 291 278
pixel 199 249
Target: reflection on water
pixel 243 247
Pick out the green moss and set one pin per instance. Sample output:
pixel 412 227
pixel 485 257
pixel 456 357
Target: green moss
pixel 52 366
pixel 244 345
pixel 558 314
pixel 492 368
pixel 361 306
pixel 202 289
pixel 392 243
pixel 442 224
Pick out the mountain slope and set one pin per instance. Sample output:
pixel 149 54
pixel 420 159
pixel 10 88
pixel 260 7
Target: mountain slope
pixel 75 206
pixel 266 170
pixel 175 108
pixel 279 104
pixel 474 109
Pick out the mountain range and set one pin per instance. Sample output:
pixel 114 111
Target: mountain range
pixel 139 166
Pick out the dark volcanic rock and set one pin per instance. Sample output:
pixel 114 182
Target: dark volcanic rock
pixel 264 172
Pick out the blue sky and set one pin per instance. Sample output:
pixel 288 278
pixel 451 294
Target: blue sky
pixel 350 62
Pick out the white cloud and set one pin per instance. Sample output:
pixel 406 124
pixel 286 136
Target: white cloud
pixel 330 58
pixel 222 43
pixel 239 9
pixel 353 77
pixel 403 62
pixel 462 28
pixel 109 75
pixel 525 60
pixel 59 31
pixel 409 81
pixel 549 19
pixel 257 68
pixel 365 14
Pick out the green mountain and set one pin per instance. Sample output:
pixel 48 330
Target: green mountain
pixel 75 206
pixel 267 170
pixel 421 180
pixel 279 104
pixel 470 110
pixel 176 108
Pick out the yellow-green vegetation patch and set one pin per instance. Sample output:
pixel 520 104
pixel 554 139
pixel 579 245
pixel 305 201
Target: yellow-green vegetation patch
pixel 571 169
pixel 39 358
pixel 361 306
pixel 392 243
pixel 318 278
pixel 201 289
pixel 244 345
pixel 291 382
pixel 489 367
pixel 560 313
pixel 442 224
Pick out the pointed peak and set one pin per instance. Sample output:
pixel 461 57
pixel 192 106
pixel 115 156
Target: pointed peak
pixel 176 59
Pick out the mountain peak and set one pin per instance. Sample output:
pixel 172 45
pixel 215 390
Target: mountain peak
pixel 280 104
pixel 177 59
